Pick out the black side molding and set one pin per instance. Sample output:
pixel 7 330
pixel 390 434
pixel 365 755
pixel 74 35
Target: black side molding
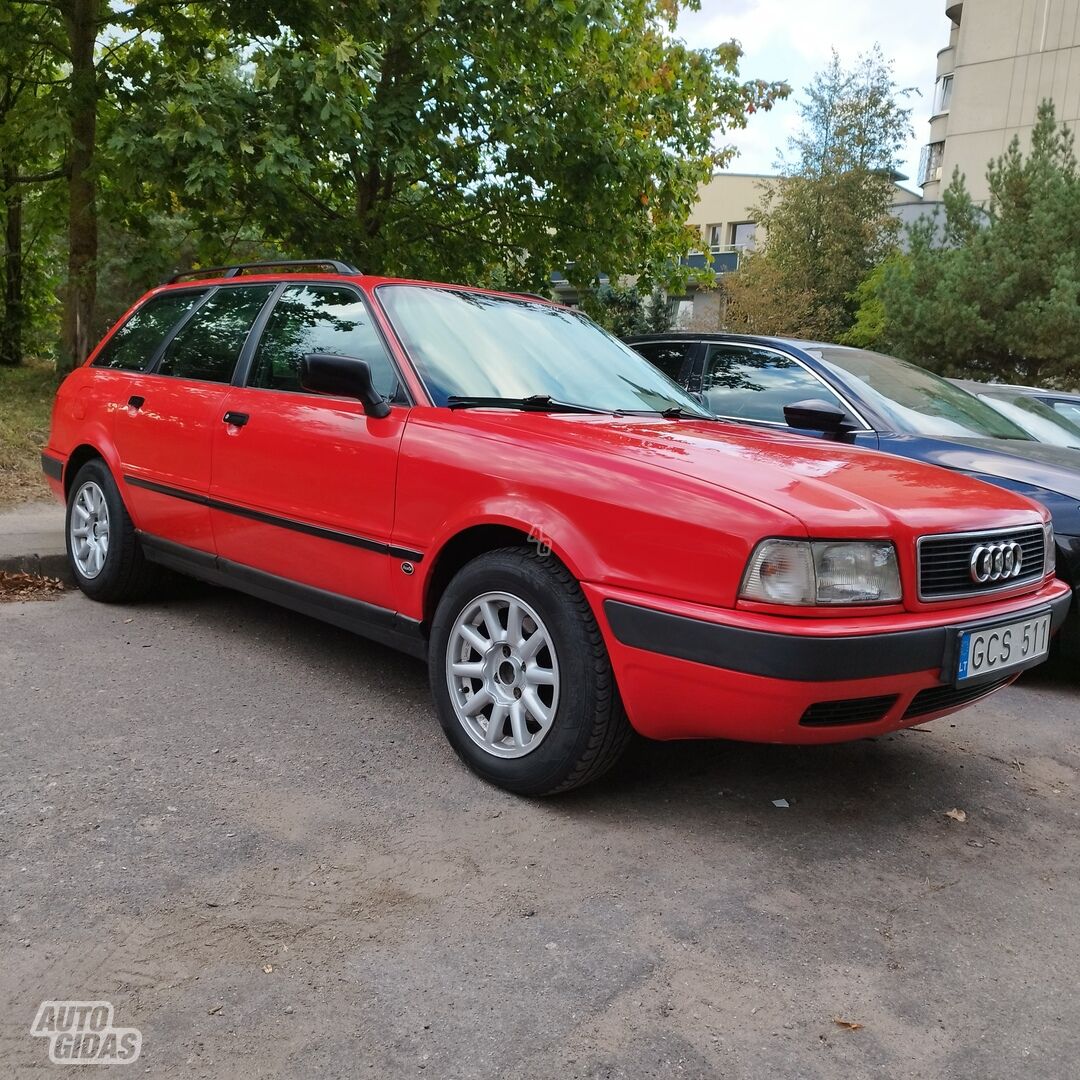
pixel 783 656
pixel 52 467
pixel 380 624
pixel 281 522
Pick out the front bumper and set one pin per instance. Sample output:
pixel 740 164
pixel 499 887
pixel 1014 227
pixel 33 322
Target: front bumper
pixel 683 675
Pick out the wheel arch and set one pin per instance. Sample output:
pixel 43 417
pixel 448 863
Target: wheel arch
pixel 471 541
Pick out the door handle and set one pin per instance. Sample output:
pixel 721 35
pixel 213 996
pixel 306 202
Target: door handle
pixel 237 419
pixel 136 402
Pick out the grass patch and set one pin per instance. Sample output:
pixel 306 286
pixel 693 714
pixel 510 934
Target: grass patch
pixel 26 396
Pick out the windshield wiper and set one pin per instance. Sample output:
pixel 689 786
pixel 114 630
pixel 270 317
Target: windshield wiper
pixel 533 403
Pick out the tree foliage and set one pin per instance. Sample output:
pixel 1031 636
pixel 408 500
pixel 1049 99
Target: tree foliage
pixel 1000 298
pixel 458 139
pixel 826 222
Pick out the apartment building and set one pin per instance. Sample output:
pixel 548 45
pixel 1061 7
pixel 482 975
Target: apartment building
pixel 1002 59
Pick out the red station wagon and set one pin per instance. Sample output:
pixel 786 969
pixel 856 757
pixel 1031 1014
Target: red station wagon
pixel 492 482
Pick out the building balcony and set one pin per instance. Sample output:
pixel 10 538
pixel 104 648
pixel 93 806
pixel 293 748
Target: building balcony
pixel 720 258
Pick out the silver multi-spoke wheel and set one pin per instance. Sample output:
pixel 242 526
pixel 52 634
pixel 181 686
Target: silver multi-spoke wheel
pixel 89 527
pixel 503 674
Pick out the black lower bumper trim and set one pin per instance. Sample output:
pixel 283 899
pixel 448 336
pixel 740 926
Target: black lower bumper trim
pixel 52 467
pixel 787 656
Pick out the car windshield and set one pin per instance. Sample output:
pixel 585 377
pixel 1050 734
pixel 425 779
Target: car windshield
pixel 476 345
pixel 914 400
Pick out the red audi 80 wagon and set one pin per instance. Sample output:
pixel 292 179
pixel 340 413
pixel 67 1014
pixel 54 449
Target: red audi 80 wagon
pixel 491 481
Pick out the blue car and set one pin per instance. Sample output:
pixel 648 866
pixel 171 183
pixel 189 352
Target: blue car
pixel 879 402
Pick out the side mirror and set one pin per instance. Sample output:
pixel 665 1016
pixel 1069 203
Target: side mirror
pixel 342 376
pixel 817 414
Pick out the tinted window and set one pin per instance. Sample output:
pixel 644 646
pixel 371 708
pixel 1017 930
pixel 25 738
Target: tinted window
pixel 207 348
pixel 474 344
pixel 668 356
pixel 755 384
pixel 913 400
pixel 319 318
pixel 132 347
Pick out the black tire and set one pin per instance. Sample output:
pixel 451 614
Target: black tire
pixel 589 729
pixel 125 575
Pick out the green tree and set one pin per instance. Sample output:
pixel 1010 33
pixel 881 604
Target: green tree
pixel 826 222
pixel 457 139
pixel 998 294
pixel 624 311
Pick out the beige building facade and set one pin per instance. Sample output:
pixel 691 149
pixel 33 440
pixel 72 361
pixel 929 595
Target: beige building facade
pixel 1002 59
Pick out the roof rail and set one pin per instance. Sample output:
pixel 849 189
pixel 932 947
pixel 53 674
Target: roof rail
pixel 335 266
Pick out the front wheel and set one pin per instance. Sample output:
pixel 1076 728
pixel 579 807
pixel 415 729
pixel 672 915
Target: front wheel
pixel 521 677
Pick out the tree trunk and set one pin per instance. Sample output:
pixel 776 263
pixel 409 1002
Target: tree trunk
pixel 11 330
pixel 81 19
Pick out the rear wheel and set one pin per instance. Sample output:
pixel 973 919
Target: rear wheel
pixel 103 549
pixel 521 678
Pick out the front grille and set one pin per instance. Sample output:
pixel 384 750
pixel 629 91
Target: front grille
pixel 945 562
pixel 938 698
pixel 863 710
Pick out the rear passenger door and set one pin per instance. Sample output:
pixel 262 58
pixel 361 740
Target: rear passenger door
pixel 753 384
pixel 303 485
pixel 163 430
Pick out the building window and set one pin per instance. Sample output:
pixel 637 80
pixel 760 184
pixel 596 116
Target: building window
pixel 715 235
pixel 943 94
pixel 930 164
pixel 742 234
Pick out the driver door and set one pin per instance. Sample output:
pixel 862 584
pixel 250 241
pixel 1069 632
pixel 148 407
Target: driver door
pixel 303 485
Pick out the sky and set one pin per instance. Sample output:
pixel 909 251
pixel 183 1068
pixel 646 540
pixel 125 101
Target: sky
pixel 790 40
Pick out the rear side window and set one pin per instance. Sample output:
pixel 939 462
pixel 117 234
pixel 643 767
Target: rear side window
pixel 208 346
pixel 132 347
pixel 755 384
pixel 319 318
pixel 668 356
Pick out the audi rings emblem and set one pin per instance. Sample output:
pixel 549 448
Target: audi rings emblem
pixel 996 562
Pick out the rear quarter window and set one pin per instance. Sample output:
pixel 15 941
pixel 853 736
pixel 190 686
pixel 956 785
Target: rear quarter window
pixel 133 346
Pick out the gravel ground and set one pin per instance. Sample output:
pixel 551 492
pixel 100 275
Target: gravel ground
pixel 246 830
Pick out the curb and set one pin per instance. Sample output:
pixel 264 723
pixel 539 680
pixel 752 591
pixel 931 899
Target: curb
pixel 55 566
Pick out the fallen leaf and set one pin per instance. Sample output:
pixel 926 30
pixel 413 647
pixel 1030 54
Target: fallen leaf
pixel 215 1010
pixel 267 968
pixel 850 1025
pixel 956 815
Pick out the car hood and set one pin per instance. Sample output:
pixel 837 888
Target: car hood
pixel 833 489
pixel 1033 464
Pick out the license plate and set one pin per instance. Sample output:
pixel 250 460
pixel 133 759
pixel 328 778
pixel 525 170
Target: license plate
pixel 999 648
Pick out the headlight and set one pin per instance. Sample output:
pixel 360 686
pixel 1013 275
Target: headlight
pixel 1050 564
pixel 822 572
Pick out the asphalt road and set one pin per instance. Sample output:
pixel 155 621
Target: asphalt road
pixel 195 791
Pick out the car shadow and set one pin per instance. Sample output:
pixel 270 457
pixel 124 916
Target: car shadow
pixel 862 792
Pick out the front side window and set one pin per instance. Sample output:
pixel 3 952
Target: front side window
pixel 319 319
pixel 1070 411
pixel 915 401
pixel 132 347
pixel 756 384
pixel 472 344
pixel 668 356
pixel 208 346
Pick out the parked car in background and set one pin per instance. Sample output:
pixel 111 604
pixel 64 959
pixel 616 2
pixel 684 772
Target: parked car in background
pixel 1026 408
pixel 573 542
pixel 1064 403
pixel 867 399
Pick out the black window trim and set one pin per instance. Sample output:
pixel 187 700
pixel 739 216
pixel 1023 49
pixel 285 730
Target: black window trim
pixel 170 334
pixel 746 347
pixel 159 354
pixel 247 355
